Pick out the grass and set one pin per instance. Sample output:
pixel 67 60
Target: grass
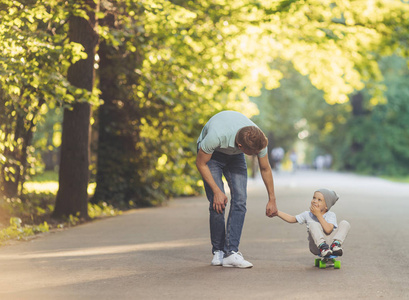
pixel 397 179
pixel 25 216
pixel 47 182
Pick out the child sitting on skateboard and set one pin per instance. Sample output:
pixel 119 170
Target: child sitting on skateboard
pixel 321 224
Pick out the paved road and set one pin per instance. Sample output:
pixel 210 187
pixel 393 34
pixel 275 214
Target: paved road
pixel 164 253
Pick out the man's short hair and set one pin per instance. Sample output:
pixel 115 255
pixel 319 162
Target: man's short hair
pixel 252 138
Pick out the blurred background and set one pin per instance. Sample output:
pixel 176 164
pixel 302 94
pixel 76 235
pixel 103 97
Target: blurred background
pixel 101 102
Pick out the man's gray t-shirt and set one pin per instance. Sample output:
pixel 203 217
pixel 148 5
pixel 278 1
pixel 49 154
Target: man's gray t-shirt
pixel 219 133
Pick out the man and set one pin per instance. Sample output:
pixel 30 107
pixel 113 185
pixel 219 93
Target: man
pixel 224 140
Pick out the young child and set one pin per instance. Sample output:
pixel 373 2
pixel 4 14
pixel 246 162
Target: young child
pixel 321 224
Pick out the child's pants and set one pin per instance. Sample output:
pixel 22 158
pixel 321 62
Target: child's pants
pixel 316 235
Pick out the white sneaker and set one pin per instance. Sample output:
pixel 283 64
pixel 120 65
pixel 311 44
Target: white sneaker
pixel 218 258
pixel 236 260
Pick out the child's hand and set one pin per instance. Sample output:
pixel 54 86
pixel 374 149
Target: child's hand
pixel 315 210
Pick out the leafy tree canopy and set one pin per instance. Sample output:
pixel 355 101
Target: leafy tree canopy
pixel 197 58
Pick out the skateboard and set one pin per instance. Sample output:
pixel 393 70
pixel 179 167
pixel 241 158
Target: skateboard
pixel 324 262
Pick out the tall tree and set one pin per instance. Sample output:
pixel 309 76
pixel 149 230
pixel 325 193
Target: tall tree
pixel 72 196
pixel 32 66
pixel 118 174
pixel 154 74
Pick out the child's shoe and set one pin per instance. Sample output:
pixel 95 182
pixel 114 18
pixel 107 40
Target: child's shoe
pixel 336 248
pixel 325 250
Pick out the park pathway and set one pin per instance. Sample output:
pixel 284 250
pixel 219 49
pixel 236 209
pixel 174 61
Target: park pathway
pixel 164 253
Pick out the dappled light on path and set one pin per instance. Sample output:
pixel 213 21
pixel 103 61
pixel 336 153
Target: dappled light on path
pixel 109 249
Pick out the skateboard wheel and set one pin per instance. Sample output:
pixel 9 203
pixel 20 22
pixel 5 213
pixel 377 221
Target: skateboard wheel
pixel 322 264
pixel 317 262
pixel 337 264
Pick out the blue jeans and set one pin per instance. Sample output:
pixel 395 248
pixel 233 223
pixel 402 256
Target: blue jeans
pixel 234 169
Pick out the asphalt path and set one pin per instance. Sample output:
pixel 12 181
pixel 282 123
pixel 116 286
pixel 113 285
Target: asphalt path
pixel 165 253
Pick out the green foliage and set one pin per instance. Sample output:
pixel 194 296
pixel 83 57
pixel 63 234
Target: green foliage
pixel 180 62
pixel 33 65
pixel 182 56
pixel 373 139
pixel 102 210
pixel 380 138
pixel 17 231
pixel 47 139
pixel 284 111
pixel 30 214
pixel 337 43
pixel 31 208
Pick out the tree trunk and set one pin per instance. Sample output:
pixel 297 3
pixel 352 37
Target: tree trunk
pixel 116 170
pixel 357 102
pixel 118 180
pixel 72 196
pixel 357 115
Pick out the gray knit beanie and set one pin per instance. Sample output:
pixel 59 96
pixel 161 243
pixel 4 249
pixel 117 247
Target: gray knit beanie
pixel 330 197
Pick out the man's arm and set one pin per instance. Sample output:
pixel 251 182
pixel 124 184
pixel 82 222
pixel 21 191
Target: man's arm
pixel 267 175
pixel 219 198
